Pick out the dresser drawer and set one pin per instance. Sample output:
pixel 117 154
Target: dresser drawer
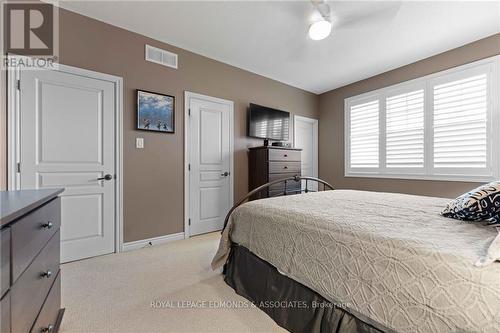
pixel 48 317
pixel 29 291
pixel 275 194
pixel 284 155
pixel 290 184
pixel 281 187
pixel 276 176
pixel 5 314
pixel 282 167
pixel 31 233
pixel 280 193
pixel 4 261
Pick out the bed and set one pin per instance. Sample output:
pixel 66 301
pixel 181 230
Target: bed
pixel 386 262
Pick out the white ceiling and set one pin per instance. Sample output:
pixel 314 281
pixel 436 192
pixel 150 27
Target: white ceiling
pixel 270 38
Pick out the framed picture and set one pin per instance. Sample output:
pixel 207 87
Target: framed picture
pixel 155 112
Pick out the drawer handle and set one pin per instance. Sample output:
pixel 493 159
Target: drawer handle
pixel 47 274
pixel 48 329
pixel 285 167
pixel 285 155
pixel 47 225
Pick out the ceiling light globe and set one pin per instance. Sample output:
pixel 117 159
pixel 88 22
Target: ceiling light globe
pixel 320 30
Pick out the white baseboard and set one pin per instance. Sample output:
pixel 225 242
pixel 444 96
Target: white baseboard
pixel 139 244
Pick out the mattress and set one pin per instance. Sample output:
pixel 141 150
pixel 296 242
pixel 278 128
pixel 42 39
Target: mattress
pixel 390 259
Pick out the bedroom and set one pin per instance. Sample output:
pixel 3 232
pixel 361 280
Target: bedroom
pixel 136 246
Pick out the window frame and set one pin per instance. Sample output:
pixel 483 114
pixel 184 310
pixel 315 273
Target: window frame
pixel 490 66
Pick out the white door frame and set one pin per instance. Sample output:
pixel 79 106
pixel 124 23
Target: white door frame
pixel 13 137
pixel 187 97
pixel 315 138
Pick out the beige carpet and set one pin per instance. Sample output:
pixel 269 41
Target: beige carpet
pixel 113 293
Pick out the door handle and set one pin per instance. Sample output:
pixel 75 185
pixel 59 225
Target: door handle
pixel 106 177
pixel 225 174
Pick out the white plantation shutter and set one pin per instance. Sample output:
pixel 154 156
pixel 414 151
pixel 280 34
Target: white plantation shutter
pixel 405 130
pixel 364 135
pixel 460 123
pixel 443 126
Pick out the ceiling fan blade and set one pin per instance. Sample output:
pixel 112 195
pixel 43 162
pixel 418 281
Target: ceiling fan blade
pixel 359 14
pixel 322 8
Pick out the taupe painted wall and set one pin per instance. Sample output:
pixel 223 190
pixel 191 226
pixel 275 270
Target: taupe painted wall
pixel 3 130
pixel 154 176
pixel 331 123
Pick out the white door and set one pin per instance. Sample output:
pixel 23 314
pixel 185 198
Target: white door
pixel 209 145
pixel 306 138
pixel 67 139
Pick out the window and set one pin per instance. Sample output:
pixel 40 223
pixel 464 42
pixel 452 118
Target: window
pixel 442 126
pixel 405 130
pixel 364 135
pixel 460 120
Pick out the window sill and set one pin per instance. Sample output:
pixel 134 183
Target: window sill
pixel 451 178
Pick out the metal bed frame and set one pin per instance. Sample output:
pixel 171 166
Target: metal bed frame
pixel 262 187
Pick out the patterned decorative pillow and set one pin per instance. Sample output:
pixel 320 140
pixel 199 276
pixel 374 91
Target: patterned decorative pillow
pixel 480 204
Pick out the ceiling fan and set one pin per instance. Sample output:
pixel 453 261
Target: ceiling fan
pixel 322 26
pixel 348 14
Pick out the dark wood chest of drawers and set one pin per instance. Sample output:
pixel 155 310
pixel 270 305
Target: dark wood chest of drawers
pixel 266 164
pixel 30 257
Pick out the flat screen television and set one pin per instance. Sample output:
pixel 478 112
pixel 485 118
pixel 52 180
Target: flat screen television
pixel 269 124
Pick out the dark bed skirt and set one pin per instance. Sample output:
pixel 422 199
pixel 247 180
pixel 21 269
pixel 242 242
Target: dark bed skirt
pixel 290 304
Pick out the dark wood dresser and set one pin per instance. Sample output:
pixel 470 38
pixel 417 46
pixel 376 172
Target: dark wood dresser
pixel 269 163
pixel 30 255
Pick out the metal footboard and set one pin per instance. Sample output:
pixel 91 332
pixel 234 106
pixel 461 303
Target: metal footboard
pixel 285 180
